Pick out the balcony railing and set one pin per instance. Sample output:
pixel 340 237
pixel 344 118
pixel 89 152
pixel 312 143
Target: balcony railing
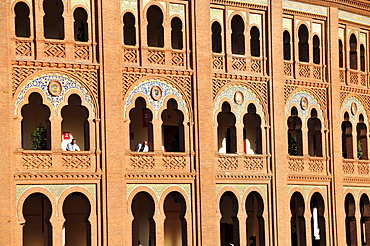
pixel 241 163
pixel 307 165
pixel 355 167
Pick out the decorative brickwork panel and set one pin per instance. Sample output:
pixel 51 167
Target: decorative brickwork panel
pixel 348 167
pixel 128 79
pixel 343 95
pixel 363 168
pixel 353 78
pixel 174 162
pixel 239 64
pixel 317 73
pixel 342 76
pixel 295 164
pixel 217 62
pixel 183 83
pixel 19 74
pixel 177 59
pixel 304 70
pixel 82 52
pixel 288 69
pixel 76 161
pixel 23 48
pixel 156 57
pixel 142 162
pixel 288 89
pixel 253 163
pixel 130 55
pixel 363 79
pixel 37 161
pixel 256 66
pixel 55 50
pixel 316 166
pixel 89 78
pixel 228 162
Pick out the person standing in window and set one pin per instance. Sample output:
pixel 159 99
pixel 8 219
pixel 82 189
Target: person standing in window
pixel 142 147
pixel 72 146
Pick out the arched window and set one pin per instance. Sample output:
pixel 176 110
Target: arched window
pixel 297 221
pixel 155 34
pixel 361 139
pixel 129 30
pixel 303 49
pixel 216 37
pixel 173 128
pixel 353 52
pixel 237 35
pixel 229 223
pixel 53 19
pixel 365 219
pixel 318 220
pixel 22 20
pixel 143 225
pixel 255 222
pixel 287 48
pixel 351 229
pixel 316 49
pixel 226 130
pixel 252 133
pixel 141 127
pixel 176 33
pixel 80 25
pixel 77 227
pixel 341 54
pixel 175 225
pixel 314 135
pixel 295 146
pixel 347 145
pixel 37 229
pixel 36 124
pixel 362 58
pixel 75 121
pixel 255 42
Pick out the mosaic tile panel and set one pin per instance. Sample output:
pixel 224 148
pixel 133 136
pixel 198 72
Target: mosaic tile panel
pixel 241 188
pixel 341 33
pixel 85 3
pixel 287 24
pixel 307 189
pixel 255 19
pixel 356 190
pixel 346 107
pixel 159 188
pixel 217 14
pixel 129 4
pixel 305 7
pixel 177 9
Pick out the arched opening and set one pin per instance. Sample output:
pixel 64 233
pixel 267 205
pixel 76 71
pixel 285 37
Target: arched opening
pixel 303 49
pixel 255 45
pixel 229 223
pixel 175 225
pixel 314 135
pixel 365 219
pixel 37 230
pixel 173 128
pixel 316 49
pixel 80 25
pixel 237 35
pixel 347 144
pixel 141 127
pixel 176 33
pixel 36 126
pixel 216 38
pixel 75 121
pixel 361 139
pixel 353 52
pixel 22 20
pixel 295 145
pixel 287 48
pixel 297 221
pixel 226 130
pixel 255 220
pixel 155 36
pixel 143 225
pixel 77 228
pixel 362 58
pixel 53 19
pixel 129 30
pixel 341 54
pixel 351 229
pixel 318 228
pixel 252 133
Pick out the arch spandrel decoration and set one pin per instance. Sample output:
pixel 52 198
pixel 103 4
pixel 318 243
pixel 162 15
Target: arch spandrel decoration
pixel 357 190
pixel 348 107
pixel 248 95
pixel 307 189
pixel 242 188
pixel 146 88
pixel 42 82
pixel 159 189
pixel 85 3
pixel 129 4
pixel 296 100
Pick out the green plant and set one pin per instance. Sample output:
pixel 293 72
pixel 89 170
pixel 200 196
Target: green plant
pixel 38 138
pixel 359 149
pixel 292 146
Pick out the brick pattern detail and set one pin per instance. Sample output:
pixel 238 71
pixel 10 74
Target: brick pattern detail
pixel 23 48
pixel 256 66
pixel 142 162
pixel 130 55
pixel 316 166
pixel 363 79
pixel 55 50
pixel 19 74
pixel 183 83
pixel 76 161
pixel 341 76
pixel 288 68
pixel 174 162
pixel 177 59
pixel 288 89
pixel 353 78
pixel 363 168
pixel 81 52
pixel 217 62
pixel 317 73
pixel 253 163
pixel 37 161
pixel 295 164
pixel 89 78
pixel 348 167
pixel 239 64
pixel 304 70
pixel 128 79
pixel 156 57
pixel 228 162
pixel 343 95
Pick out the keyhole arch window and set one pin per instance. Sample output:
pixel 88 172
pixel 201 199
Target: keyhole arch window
pixel 81 28
pixel 155 30
pixel 287 45
pixel 255 43
pixel 53 19
pixel 303 47
pixel 216 37
pixel 237 35
pixel 22 20
pixel 353 52
pixel 341 53
pixel 129 29
pixel 176 33
pixel 316 49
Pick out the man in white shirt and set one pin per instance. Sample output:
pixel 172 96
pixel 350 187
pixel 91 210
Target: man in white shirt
pixel 142 147
pixel 72 146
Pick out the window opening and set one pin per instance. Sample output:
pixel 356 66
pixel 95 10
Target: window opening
pixel 347 142
pixel 295 145
pixel 237 35
pixel 314 135
pixel 22 20
pixel 287 48
pixel 297 221
pixel 341 54
pixel 316 49
pixel 155 33
pixel 216 37
pixel 175 225
pixel 229 223
pixel 361 139
pixel 53 19
pixel 318 228
pixel 176 33
pixel 353 52
pixel 362 58
pixel 351 229
pixel 303 49
pixel 255 221
pixel 129 30
pixel 365 219
pixel 80 25
pixel 255 42
pixel 226 130
pixel 252 133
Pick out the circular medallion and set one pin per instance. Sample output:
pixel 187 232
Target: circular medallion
pixel 55 88
pixel 304 103
pixel 353 108
pixel 238 98
pixel 156 93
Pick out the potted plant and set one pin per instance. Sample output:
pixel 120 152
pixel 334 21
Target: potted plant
pixel 38 138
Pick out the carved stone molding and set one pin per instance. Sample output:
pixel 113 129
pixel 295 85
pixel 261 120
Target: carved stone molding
pixel 159 176
pixel 308 178
pixel 240 4
pixel 241 176
pixel 70 176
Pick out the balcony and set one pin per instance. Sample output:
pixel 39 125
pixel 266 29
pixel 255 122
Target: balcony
pixel 355 167
pixel 308 165
pixel 241 163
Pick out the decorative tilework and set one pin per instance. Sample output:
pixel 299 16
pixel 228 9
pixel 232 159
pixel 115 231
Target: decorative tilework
pixel 307 189
pixel 42 83
pixel 241 188
pixel 363 38
pixel 305 7
pixel 296 100
pixel 255 19
pixel 316 28
pixel 159 188
pixel 164 5
pixel 341 33
pixel 356 190
pixel 177 9
pixel 347 107
pixel 85 3
pixel 217 14
pixel 353 17
pixel 287 24
pixel 129 4
pixel 146 86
